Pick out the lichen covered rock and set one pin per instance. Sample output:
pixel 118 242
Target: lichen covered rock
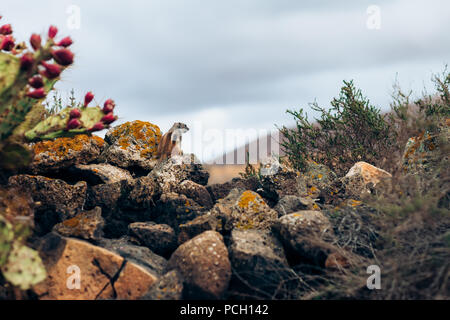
pixel 54 155
pixel 132 145
pixel 86 225
pixel 244 210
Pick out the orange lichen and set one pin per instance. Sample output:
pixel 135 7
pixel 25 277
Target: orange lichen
pixel 73 222
pixel 246 198
pixel 60 147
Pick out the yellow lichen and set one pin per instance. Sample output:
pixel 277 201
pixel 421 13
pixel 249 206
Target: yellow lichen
pixel 60 147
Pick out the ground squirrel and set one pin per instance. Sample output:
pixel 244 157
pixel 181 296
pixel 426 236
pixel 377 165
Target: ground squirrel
pixel 170 143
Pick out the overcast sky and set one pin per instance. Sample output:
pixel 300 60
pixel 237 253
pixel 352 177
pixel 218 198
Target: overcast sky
pixel 234 64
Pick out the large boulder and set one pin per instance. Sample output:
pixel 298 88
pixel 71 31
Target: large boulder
pixel 54 155
pixel 203 262
pixel 78 270
pixel 57 199
pixel 244 210
pixel 305 234
pixel 132 145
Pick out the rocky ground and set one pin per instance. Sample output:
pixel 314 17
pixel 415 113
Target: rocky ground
pixel 135 228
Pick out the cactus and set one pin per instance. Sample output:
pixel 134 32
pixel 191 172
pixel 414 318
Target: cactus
pixel 24 267
pixel 72 121
pixel 25 79
pixel 19 265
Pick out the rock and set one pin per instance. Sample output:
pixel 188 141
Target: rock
pixel 358 178
pixel 258 261
pixel 107 197
pixel 244 210
pixel 131 275
pixel 104 195
pixel 160 238
pixel 100 173
pixel 303 233
pixel 221 190
pixel 286 181
pixel 54 155
pixel 168 287
pixel 135 253
pixel 98 271
pixel 171 172
pixel 197 226
pixel 196 192
pixel 86 225
pixel 174 209
pixel 315 179
pixel 424 152
pixel 58 200
pixel 139 194
pixel 132 145
pixel 203 262
pixel 290 203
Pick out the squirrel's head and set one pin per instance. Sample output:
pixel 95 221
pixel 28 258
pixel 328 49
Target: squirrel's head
pixel 178 129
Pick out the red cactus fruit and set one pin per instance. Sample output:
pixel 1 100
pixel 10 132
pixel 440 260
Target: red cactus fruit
pixel 88 98
pixel 63 56
pixel 36 82
pixel 51 70
pixel 5 29
pixel 97 127
pixel 65 42
pixel 37 94
pixel 7 43
pixel 109 118
pixel 26 61
pixel 74 114
pixel 52 31
pixel 35 41
pixel 108 106
pixel 73 124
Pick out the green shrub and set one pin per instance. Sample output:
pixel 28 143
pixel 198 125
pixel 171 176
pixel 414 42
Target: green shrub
pixel 351 130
